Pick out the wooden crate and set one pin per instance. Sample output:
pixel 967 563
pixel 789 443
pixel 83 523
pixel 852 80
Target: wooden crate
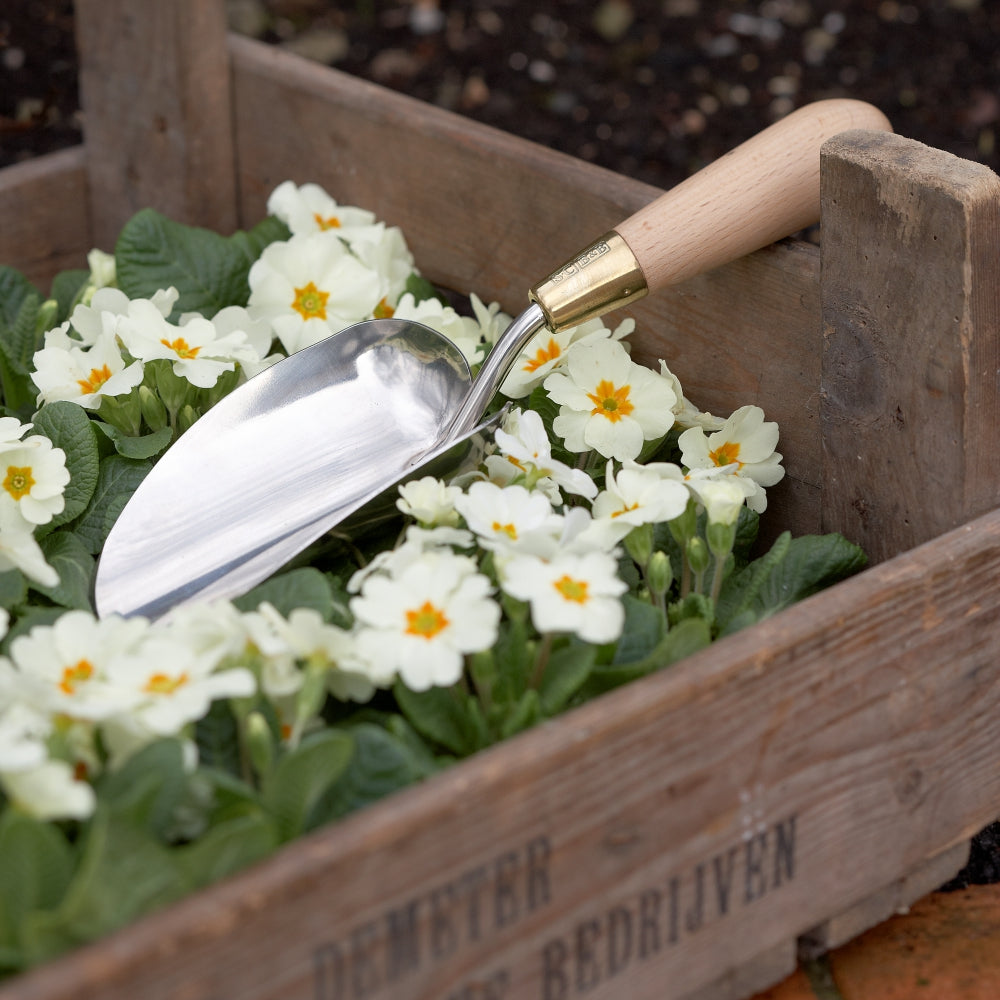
pixel 686 835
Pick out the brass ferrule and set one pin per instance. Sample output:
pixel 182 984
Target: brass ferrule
pixel 605 276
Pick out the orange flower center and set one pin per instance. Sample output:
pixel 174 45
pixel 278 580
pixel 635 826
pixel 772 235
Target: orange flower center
pixel 508 529
pixel 426 621
pixel 181 348
pixel 19 481
pixel 726 454
pixel 572 590
pixel 165 683
pixel 330 222
pixel 310 302
pixel 545 354
pixel 610 401
pixel 94 381
pixel 383 310
pixel 78 673
pixel 624 510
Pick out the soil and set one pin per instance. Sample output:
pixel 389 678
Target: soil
pixel 650 88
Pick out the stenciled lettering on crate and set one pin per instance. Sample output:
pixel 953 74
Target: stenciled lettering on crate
pixel 374 958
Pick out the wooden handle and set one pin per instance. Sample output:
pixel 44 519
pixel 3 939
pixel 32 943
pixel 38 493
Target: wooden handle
pixel 765 189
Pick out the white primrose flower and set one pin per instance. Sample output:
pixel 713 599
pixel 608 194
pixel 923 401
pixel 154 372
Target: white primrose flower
pixel 429 501
pixel 100 316
pixel 421 622
pixel 525 449
pixel 170 685
pixel 746 442
pixel 578 593
pixel 491 319
pixel 609 403
pixel 310 287
pixel 637 494
pixel 504 517
pixel 50 791
pixel 722 499
pixel 198 352
pixel 309 209
pixel 19 549
pixel 103 270
pixel 462 331
pixel 383 248
pixel 259 337
pixel 23 732
pixel 82 374
pixel 686 414
pixel 34 477
pixel 546 351
pixel 64 667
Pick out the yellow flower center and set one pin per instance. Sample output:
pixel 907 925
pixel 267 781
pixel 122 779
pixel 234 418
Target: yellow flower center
pixel 726 454
pixel 624 510
pixel 310 302
pixel 508 529
pixel 181 348
pixel 165 683
pixel 330 222
pixel 426 621
pixel 94 381
pixel 383 310
pixel 78 673
pixel 545 354
pixel 572 590
pixel 19 481
pixel 610 401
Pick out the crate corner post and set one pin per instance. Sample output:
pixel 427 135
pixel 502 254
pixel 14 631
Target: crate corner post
pixel 155 86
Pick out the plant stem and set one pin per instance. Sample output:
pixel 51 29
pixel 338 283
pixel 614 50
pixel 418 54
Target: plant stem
pixel 541 661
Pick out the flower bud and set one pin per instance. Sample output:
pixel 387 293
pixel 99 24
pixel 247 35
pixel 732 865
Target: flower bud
pixel 153 410
pixel 186 418
pixel 639 543
pixel 659 573
pixel 260 743
pixel 698 556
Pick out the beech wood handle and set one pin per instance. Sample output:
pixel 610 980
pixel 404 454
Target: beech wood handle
pixel 763 190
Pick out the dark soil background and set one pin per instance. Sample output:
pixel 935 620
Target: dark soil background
pixel 651 88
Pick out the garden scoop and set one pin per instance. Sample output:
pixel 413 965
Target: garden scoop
pixel 312 442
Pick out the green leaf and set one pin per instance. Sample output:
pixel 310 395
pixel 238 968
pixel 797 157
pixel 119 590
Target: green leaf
pixel 69 557
pixel 117 480
pixel 643 629
pixel 123 873
pixel 565 673
pixel 444 716
pixel 302 777
pixel 793 569
pixel 227 847
pixel 515 661
pixel 13 588
pixel 526 713
pixel 143 446
pixel 67 286
pixel 36 865
pixel 305 587
pixel 217 737
pixel 18 342
pixel 380 764
pixel 68 426
pixel 147 789
pixel 208 270
pixel 684 639
pixel 14 289
pixel 421 289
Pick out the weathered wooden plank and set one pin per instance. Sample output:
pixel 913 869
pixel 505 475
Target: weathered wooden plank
pixel 44 217
pixel 757 787
pixel 911 319
pixel 487 212
pixel 843 927
pixel 154 80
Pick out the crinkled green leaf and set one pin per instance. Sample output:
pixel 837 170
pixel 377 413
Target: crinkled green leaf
pixel 380 764
pixel 793 569
pixel 14 289
pixel 217 737
pixel 684 639
pixel 444 716
pixel 643 629
pixel 18 342
pixel 227 847
pixel 70 558
pixel 117 480
pixel 420 288
pixel 566 672
pixel 208 270
pixel 143 446
pixel 36 866
pixel 68 427
pixel 67 287
pixel 301 778
pixel 305 587
pixel 526 713
pixel 13 588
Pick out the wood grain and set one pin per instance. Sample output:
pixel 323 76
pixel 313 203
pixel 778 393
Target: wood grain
pixel 44 209
pixel 154 82
pixel 911 320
